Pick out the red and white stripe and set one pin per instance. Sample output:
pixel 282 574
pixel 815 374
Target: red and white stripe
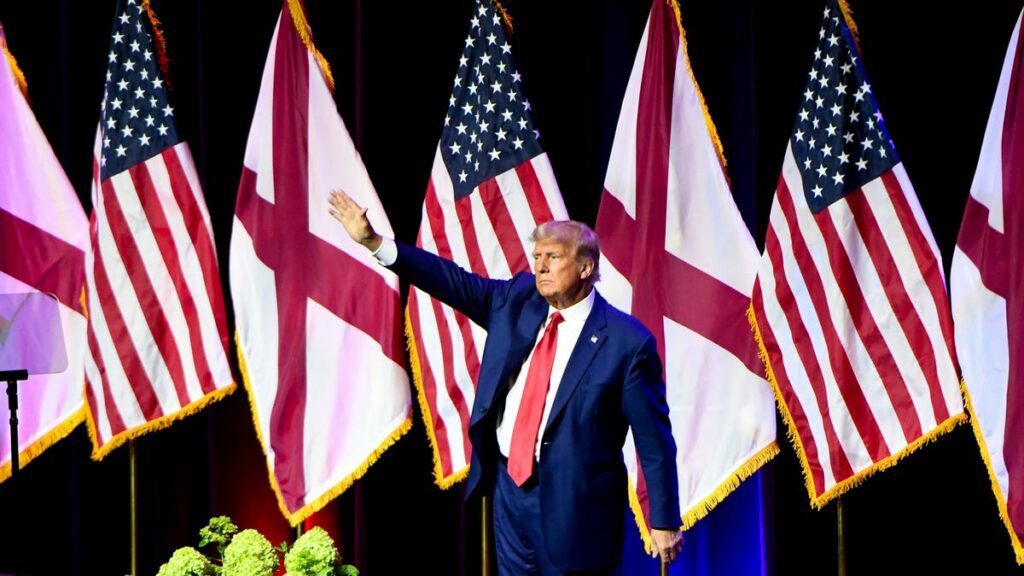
pixel 486 233
pixel 43 239
pixel 852 311
pixel 157 333
pixel 988 297
pixel 667 199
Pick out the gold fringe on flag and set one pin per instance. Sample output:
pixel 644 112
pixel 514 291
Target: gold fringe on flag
pixel 314 506
pixel 1004 513
pixel 704 507
pixel 100 452
pixel 701 509
pixel 82 299
pixel 444 482
pixel 712 131
pixel 818 502
pixel 346 483
pixel 243 367
pixel 19 76
pixel 55 434
pixel 844 7
pixel 505 16
pixel 302 26
pixel 158 40
pixel 638 515
pixel 791 430
pixel 730 484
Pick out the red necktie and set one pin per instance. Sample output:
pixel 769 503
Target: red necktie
pixel 531 408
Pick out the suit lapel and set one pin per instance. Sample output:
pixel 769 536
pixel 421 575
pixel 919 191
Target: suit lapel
pixel 590 341
pixel 527 327
pixel 524 337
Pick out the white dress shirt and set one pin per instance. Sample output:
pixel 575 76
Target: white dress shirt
pixel 568 333
pixel 387 252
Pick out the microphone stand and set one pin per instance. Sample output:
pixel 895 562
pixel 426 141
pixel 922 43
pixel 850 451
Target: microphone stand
pixel 12 377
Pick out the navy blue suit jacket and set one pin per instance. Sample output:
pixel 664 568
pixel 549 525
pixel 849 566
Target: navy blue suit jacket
pixel 613 381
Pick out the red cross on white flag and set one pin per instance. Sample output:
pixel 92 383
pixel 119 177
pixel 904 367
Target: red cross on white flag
pixel 318 321
pixel 679 257
pixel 988 296
pixel 43 237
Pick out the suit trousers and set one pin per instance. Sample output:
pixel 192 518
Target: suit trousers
pixel 518 534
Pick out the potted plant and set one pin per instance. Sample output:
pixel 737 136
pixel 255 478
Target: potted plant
pixel 249 553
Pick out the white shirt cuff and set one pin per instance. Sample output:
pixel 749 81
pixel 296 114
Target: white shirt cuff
pixel 387 253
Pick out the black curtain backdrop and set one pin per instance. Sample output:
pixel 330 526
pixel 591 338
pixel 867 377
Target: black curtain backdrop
pixel 933 70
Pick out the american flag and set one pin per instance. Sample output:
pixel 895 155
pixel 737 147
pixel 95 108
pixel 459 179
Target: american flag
pixel 318 320
pixel 157 334
pixel 43 238
pixel 682 261
pixel 850 303
pixel 988 301
pixel 490 186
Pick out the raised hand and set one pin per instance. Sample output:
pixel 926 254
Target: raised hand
pixel 353 217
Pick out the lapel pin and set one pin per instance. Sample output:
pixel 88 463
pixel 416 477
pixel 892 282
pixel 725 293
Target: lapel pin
pixel 593 339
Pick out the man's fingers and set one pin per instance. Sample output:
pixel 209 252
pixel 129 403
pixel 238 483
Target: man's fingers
pixel 675 549
pixel 667 545
pixel 341 200
pixel 667 555
pixel 344 207
pixel 349 203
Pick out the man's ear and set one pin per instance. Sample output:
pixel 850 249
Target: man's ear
pixel 587 269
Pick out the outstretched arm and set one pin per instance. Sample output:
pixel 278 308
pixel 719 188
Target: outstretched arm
pixel 443 279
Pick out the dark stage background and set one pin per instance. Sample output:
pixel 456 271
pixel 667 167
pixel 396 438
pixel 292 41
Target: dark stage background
pixel 933 70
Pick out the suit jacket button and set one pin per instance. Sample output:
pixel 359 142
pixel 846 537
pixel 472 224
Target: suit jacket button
pixel 483 410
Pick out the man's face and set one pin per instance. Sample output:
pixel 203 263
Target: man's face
pixel 560 276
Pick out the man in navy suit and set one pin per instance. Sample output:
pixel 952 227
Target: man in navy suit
pixel 564 375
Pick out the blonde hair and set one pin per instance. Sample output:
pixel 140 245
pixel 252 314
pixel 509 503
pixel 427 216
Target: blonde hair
pixel 581 240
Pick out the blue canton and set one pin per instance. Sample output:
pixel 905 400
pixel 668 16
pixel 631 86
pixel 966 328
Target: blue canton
pixel 136 120
pixel 839 141
pixel 488 129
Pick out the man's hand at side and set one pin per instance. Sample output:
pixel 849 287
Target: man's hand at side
pixel 667 544
pixel 353 217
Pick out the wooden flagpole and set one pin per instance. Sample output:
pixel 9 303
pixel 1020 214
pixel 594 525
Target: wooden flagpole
pixel 485 537
pixel 840 536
